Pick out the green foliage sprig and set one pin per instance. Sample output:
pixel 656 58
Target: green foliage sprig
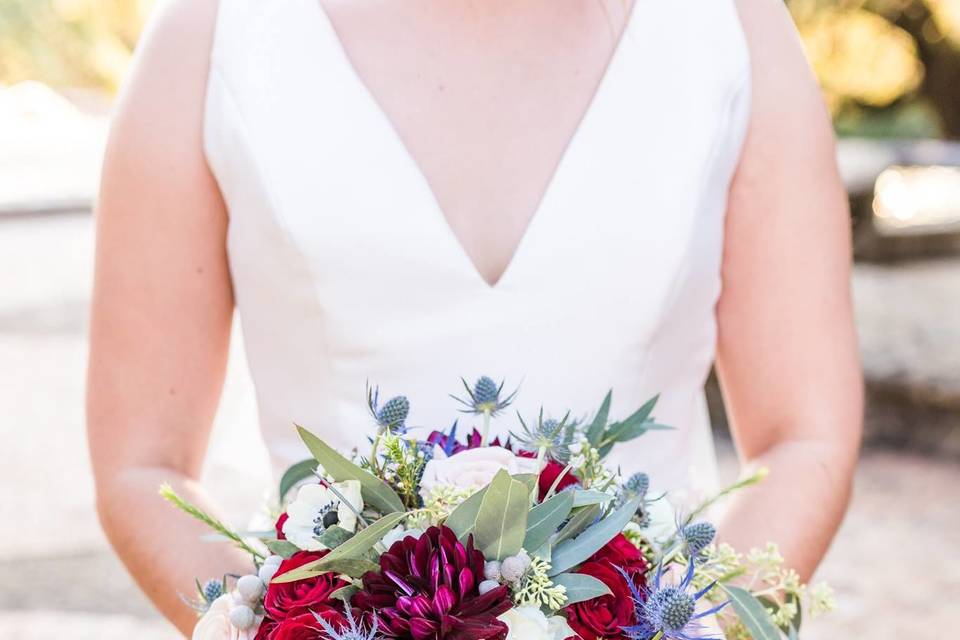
pixel 171 496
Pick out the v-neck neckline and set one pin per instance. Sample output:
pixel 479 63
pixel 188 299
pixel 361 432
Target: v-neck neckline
pixel 437 211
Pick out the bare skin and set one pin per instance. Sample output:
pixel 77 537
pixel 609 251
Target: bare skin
pixel 163 300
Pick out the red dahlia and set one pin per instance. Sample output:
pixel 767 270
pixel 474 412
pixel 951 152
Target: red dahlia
pixel 427 590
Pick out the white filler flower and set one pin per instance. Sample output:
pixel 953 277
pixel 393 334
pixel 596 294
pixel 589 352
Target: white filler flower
pixel 317 508
pixel 215 623
pixel 529 623
pixel 471 469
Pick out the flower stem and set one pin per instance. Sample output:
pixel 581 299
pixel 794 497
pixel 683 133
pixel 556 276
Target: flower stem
pixel 486 428
pixel 374 463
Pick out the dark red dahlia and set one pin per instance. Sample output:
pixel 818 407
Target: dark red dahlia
pixel 427 590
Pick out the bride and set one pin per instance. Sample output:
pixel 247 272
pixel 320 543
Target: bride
pixel 573 194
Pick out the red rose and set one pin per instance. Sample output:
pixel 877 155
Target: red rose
pixel 603 617
pixel 549 475
pixel 305 626
pixel 288 599
pixel 622 553
pixel 279 526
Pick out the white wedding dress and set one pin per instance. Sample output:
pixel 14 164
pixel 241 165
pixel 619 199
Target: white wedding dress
pixel 341 278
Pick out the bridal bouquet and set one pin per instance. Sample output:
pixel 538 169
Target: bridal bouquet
pixel 528 538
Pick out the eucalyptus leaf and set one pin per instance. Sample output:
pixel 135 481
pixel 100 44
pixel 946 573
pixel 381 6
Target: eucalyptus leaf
pixel 300 471
pixel 345 593
pixel 580 587
pixel 282 548
pixel 769 603
pixel 582 498
pixel 463 518
pixel 353 567
pixel 374 490
pixel 570 553
pixel 502 519
pixel 543 520
pixel 354 548
pixel 792 634
pixel 582 518
pixel 334 536
pixel 752 614
pixel 532 480
pixel 599 424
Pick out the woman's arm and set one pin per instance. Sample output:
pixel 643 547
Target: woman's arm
pixel 161 314
pixel 787 349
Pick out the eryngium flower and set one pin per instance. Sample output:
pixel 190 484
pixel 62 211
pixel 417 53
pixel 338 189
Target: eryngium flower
pixel 427 589
pixel 392 416
pixel 668 612
pixel 698 536
pixel 485 397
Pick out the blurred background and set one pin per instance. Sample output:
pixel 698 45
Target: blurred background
pixel 890 71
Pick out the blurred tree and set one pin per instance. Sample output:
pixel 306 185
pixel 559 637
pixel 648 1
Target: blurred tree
pixel 887 67
pixel 69 42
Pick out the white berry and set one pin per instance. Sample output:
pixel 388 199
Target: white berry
pixel 491 570
pixel 487 586
pixel 242 617
pixel 512 569
pixel 273 560
pixel 250 588
pixel 267 571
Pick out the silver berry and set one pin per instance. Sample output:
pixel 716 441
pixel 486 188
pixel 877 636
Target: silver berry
pixel 250 588
pixel 266 572
pixel 487 586
pixel 491 570
pixel 242 617
pixel 512 569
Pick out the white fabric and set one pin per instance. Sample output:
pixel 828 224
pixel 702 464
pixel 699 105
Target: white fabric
pixel 341 278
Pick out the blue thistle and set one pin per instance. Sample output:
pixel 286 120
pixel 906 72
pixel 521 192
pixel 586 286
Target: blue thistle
pixel 392 416
pixel 638 484
pixel 355 630
pixel 552 437
pixel 485 397
pixel 668 610
pixel 212 589
pixel 698 536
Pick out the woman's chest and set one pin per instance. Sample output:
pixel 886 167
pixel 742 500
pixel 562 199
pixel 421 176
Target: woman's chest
pixel 485 99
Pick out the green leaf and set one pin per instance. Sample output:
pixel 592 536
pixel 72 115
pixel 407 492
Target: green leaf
pixel 570 553
pixel 582 518
pixel 638 417
pixel 375 491
pixel 300 471
pixel 463 519
pixel 792 634
pixel 582 498
pixel 532 480
pixel 353 567
pixel 352 549
pixel 281 548
pixel 581 587
pixel 599 424
pixel 502 519
pixel 769 603
pixel 543 520
pixel 345 593
pixel 334 536
pixel 752 614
